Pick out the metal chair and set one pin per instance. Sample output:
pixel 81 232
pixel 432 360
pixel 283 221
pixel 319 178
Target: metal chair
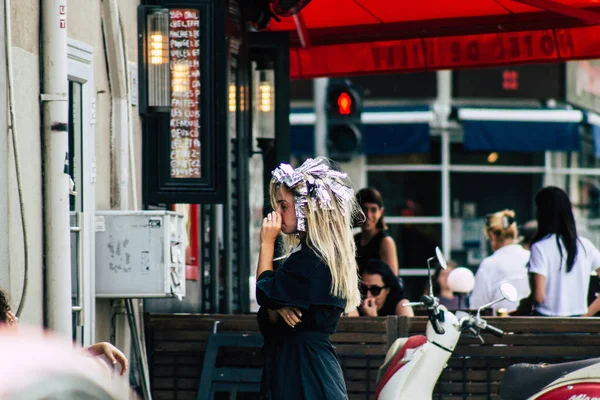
pixel 228 379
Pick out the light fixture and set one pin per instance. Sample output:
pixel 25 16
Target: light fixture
pixel 232 98
pixel 492 157
pixel 157 48
pixel 265 97
pixel 159 74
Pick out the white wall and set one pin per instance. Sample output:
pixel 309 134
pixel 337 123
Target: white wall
pixel 84 25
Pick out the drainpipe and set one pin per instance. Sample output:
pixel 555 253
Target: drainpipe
pixel 55 150
pixel 117 73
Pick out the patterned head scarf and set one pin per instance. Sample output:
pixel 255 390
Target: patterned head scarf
pixel 310 182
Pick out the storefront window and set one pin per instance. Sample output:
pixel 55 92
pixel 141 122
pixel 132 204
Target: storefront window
pixel 415 243
pixel 408 194
pixel 460 156
pixel 431 158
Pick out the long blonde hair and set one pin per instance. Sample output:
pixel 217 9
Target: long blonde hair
pixel 329 234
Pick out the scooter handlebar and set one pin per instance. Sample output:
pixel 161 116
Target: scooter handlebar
pixel 478 325
pixel 413 304
pixel 494 331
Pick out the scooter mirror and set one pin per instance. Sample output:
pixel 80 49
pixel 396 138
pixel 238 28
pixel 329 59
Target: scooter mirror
pixel 509 292
pixel 440 258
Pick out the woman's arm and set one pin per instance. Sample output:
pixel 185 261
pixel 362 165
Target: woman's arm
pixel 402 311
pixel 538 288
pixel 111 352
pixel 271 227
pixel 388 253
pixel 353 313
pixel 265 258
pixel 595 306
pixel 526 304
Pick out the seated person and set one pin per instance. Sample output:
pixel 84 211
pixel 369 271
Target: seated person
pixel 442 291
pixel 381 292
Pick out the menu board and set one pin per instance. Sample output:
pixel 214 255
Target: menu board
pixel 184 46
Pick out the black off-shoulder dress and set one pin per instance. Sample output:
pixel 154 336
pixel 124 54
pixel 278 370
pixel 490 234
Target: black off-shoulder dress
pixel 300 362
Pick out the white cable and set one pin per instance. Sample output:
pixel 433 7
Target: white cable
pixel 12 131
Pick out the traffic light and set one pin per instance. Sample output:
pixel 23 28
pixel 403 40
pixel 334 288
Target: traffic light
pixel 344 107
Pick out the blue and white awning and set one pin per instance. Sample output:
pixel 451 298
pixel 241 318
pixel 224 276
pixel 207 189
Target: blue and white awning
pixel 386 130
pixel 520 130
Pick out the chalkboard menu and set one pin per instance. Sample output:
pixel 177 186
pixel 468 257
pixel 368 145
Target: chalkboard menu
pixel 188 148
pixel 184 45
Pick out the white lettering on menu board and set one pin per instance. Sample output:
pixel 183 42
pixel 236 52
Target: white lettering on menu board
pixel 184 44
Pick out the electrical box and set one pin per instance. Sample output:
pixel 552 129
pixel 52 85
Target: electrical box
pixel 140 254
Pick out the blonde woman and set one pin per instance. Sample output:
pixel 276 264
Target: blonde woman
pixel 508 263
pixel 302 301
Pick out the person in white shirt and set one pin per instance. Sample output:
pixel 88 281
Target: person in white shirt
pixel 507 263
pixel 561 262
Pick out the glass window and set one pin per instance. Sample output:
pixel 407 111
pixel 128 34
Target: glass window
pixel 408 194
pixel 415 243
pixel 465 157
pixel 477 194
pixel 433 157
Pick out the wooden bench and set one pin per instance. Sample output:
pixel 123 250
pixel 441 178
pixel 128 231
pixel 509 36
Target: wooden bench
pixel 176 345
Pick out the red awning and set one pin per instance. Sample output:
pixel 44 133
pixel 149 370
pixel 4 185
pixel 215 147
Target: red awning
pixel 350 37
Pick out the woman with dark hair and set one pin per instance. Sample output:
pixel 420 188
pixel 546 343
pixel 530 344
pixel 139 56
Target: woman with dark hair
pixel 381 293
pixel 374 240
pixel 561 262
pixel 442 290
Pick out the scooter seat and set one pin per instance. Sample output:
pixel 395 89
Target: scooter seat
pixel 521 381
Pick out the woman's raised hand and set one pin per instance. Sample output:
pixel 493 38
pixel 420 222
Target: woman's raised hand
pixel 271 227
pixel 369 307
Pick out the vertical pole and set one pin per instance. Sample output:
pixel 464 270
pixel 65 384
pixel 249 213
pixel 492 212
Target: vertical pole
pixel 442 108
pixel 548 179
pixel 214 259
pixel 55 157
pixel 320 102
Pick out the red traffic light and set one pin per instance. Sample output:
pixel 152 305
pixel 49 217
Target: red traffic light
pixel 344 102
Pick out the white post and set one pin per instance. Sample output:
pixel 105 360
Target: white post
pixel 548 178
pixel 55 157
pixel 442 109
pixel 320 102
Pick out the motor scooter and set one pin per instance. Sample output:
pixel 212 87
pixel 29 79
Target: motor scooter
pixel 413 365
